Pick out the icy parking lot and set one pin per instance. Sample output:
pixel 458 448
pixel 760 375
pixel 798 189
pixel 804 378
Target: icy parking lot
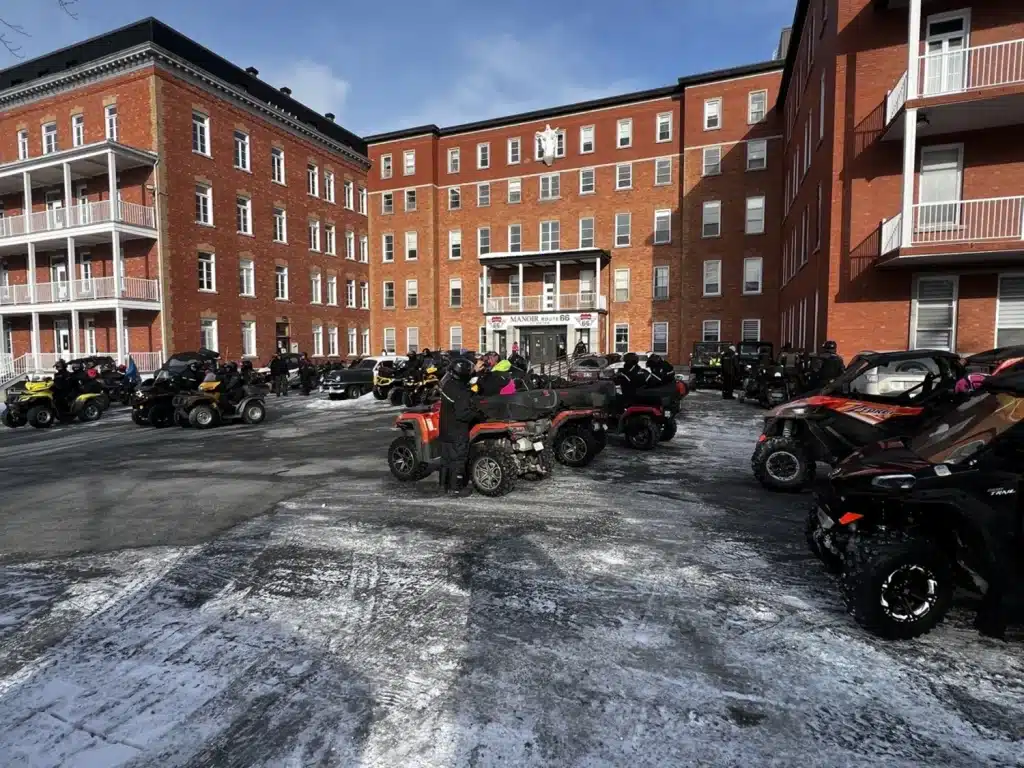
pixel 270 596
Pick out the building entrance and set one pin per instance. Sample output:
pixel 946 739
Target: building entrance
pixel 542 345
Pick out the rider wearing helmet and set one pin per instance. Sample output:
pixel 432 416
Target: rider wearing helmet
pixel 631 376
pixel 458 411
pixel 661 370
pixel 832 365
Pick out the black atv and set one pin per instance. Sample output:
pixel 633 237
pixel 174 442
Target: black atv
pixel 706 364
pixel 879 395
pixel 907 520
pixel 152 403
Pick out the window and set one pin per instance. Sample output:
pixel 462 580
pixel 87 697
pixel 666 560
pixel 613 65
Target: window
pixel 515 238
pixel 332 341
pixel 454 160
pixel 663 171
pixel 550 235
pixel 483 240
pixel 821 108
pixel 350 245
pixel 388 248
pixel 387 202
pixel 22 145
pixel 933 320
pixel 364 295
pixel 515 190
pixel 712 161
pixel 246 278
pixel 455 244
pixel 409 162
pixel 513 151
pixel 664 128
pixel 248 338
pixel 314 235
pixel 624 176
pixel 586 181
pixel 411 242
pixel 713 278
pixel 241 150
pixel 49 138
pixel 455 292
pixel 352 341
pixel 454 199
pixel 204 205
pixel 587 232
pixel 621 338
pixel 330 243
pixel 412 340
pixel 364 249
pixel 412 294
pixel 365 341
pixel 483 195
pixel 621 285
pixel 550 186
pixel 480 289
pixel 817 222
pixel 110 121
pixel 243 215
pixel 280 225
pixel 750 330
pixel 712 219
pixel 622 229
pixel 586 139
pixel 807 146
pixel 315 295
pixel 752 272
pixel 712 114
pixel 1010 311
pixel 77 130
pixel 483 156
pixel 455 337
pixel 661 283
pixel 624 134
pixel 755 215
pixel 757 106
pixel 318 340
pixel 386 167
pixel 277 165
pixel 207 272
pixel 200 133
pixel 757 155
pixel 410 199
pixel 659 335
pixel 362 200
pixel 711 330
pixel 389 341
pixel 803 238
pixel 514 290
pixel 332 290
pixel 208 333
pixel 329 189
pixel 662 227
pixel 312 180
pixel 281 282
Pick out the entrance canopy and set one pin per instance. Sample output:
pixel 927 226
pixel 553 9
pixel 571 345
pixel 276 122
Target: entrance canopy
pixel 586 256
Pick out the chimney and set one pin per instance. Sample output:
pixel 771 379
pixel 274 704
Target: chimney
pixel 286 90
pixel 329 116
pixel 252 71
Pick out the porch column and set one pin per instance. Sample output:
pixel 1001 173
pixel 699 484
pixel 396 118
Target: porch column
pixel 115 244
pixel 74 333
pixel 26 199
pixel 72 290
pixel 522 287
pixel 485 292
pixel 68 199
pixel 558 288
pixel 909 164
pixel 32 272
pixel 119 318
pixel 34 338
pixel 597 282
pixel 913 49
pixel 3 340
pixel 115 214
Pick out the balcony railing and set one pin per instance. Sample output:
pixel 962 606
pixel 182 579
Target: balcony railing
pixel 971 69
pixel 965 221
pixel 567 302
pixel 136 288
pixel 79 215
pixel 895 99
pixel 892 234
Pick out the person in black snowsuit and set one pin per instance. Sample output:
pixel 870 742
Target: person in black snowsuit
pixel 832 365
pixel 279 375
pixel 580 350
pixel 631 376
pixel 518 361
pixel 307 374
pixel 660 370
pixel 62 384
pixel 458 412
pixel 729 373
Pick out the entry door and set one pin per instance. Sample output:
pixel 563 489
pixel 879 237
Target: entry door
pixel 85 276
pixel 945 64
pixel 549 290
pixel 588 297
pixel 59 277
pixel 940 185
pixel 90 336
pixel 61 337
pixel 82 201
pixel 54 210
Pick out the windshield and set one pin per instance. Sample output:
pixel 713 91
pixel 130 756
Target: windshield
pixel 368 363
pixel 969 428
pixel 903 380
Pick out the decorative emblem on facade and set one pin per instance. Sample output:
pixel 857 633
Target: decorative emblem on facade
pixel 548 140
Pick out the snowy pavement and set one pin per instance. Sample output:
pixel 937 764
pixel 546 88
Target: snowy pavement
pixel 279 600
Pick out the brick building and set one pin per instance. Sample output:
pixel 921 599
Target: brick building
pixel 155 198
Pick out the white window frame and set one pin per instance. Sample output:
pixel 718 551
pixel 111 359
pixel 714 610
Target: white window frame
pixel 409 162
pixel 364 295
pixel 746 320
pixel 110 124
pixel 77 130
pixel 624 130
pixel 330 240
pixel 584 190
pixel 318 340
pixel 393 346
pixel 278 282
pixel 661 269
pixel 704 277
pixel 353 345
pixel 660 162
pixel 412 339
pixel 751 119
pixel 332 290
pixel 387 166
pixel 483 200
pixel 350 294
pixel 914 306
pixel 662 118
pixel 554 186
pixel 654 335
pixel 453 283
pixel 517 185
pixel 313 180
pixel 242 158
pixel 710 205
pixel 49 138
pixel 483 155
pixel 200 133
pixel 454 243
pixel 454 160
pixel 23 144
pixel 615 284
pixel 412 245
pixel 365 341
pixel 410 200
pixel 593 232
pixel 387 203
pixel 277 170
pixel 412 293
pixel 709 165
pixel 364 249
pixel 708 115
pixel 618 176
pixel 333 345
pixel 208 275
pixel 362 200
pixel 348 189
pixel 314 235
pixel 584 130
pixel 999 305
pixel 329 189
pixel 615 337
pixel 753 226
pixel 515 247
pixel 280 225
pixel 243 215
pixel 249 338
pixel 553 225
pixel 454 198
pixel 628 240
pixel 211 324
pixel 755 143
pixel 204 191
pixel 451 337
pixel 247 278
pixel 483 249
pixel 385 239
pixel 663 214
pixel 706 324
pixel 514 151
pixel 759 261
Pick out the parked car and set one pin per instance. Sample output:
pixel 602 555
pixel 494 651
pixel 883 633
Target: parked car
pixel 358 380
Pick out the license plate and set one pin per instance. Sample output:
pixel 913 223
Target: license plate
pixel 824 519
pixel 538 446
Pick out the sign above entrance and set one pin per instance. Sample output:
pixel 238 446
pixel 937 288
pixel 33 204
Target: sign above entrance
pixel 573 319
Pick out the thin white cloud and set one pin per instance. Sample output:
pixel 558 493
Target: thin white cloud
pixel 315 85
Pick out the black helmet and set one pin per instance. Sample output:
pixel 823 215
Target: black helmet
pixel 60 365
pixel 829 346
pixel 246 365
pixel 231 367
pixel 461 369
pixel 76 366
pixel 653 360
pixel 630 360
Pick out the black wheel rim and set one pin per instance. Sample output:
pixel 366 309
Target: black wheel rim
pixel 403 459
pixel 573 448
pixel 909 593
pixel 782 466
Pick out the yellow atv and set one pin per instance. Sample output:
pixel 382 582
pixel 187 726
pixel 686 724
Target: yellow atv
pixel 208 407
pixel 38 405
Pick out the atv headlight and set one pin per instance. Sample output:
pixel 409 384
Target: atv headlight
pixel 894 482
pixel 799 410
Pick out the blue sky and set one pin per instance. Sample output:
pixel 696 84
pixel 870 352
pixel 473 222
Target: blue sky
pixel 366 61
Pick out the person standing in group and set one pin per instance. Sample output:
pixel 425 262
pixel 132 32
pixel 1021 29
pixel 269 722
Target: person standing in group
pixel 279 375
pixel 458 411
pixel 729 373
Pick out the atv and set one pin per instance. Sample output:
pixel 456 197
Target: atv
pixel 879 395
pixel 907 520
pixel 152 403
pixel 207 407
pixel 648 415
pixel 706 364
pixel 580 427
pixel 512 441
pixel 37 404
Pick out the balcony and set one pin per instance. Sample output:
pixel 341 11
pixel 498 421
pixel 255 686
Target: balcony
pixel 135 289
pixel 571 302
pixel 83 215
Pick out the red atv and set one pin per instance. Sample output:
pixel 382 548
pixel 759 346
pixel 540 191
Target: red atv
pixel 511 443
pixel 580 427
pixel 648 416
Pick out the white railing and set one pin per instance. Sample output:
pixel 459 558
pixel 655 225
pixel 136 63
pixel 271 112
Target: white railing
pixel 12 367
pixel 964 221
pixel 146 362
pixel 971 69
pixel 892 234
pixel 567 302
pixel 79 215
pixel 137 288
pixel 895 99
